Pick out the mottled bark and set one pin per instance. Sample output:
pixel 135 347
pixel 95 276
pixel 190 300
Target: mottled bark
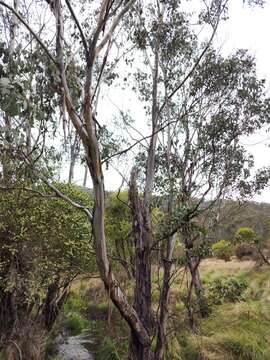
pixel 142 292
pixel 87 132
pixel 163 316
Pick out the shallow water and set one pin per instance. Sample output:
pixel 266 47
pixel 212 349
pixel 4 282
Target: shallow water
pixel 75 348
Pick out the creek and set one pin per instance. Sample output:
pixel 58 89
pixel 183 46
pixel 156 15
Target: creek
pixel 75 347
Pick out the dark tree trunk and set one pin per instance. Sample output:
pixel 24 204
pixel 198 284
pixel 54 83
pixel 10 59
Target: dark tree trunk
pixel 142 232
pixel 193 266
pixel 161 337
pixel 142 301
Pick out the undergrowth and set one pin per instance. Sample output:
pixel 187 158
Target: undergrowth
pixel 235 330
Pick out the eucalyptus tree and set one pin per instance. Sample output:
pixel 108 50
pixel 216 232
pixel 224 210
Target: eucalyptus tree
pixel 106 17
pixel 222 102
pixel 168 44
pixel 199 160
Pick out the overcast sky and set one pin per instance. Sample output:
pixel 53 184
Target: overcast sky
pixel 247 28
pixel 250 28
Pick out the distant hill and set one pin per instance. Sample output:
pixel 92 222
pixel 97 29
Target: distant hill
pixel 233 216
pixel 251 214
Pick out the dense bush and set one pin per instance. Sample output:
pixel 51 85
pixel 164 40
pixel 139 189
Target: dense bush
pixel 227 290
pixel 223 249
pixel 244 250
pixel 245 235
pixel 44 244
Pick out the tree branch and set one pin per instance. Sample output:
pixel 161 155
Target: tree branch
pixel 30 30
pixel 78 26
pixel 195 64
pixel 116 21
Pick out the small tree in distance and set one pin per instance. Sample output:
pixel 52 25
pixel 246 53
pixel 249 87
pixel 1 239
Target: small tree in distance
pixel 223 250
pixel 246 235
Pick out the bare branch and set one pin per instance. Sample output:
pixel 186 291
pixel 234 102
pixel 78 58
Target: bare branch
pixel 116 21
pixel 44 47
pixel 140 140
pixel 65 197
pixel 78 26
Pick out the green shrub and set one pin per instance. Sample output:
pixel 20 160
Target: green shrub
pixel 223 250
pixel 189 350
pixel 75 323
pixel 109 350
pixel 76 303
pixel 245 235
pixel 230 290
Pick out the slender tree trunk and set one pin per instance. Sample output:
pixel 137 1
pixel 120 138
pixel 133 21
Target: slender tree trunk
pixel 263 257
pixel 163 317
pixel 71 170
pixel 142 230
pixel 164 297
pixel 74 151
pixel 169 248
pixel 88 135
pixel 6 165
pixel 142 291
pixel 85 176
pixel 6 162
pixel 197 284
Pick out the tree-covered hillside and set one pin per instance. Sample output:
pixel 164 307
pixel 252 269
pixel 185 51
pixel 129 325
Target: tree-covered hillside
pixel 251 214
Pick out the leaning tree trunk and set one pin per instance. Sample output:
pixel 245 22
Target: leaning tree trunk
pixel 86 130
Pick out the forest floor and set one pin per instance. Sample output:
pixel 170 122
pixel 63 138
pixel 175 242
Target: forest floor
pixel 235 329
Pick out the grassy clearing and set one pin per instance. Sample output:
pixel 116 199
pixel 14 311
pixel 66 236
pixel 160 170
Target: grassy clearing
pixel 233 331
pixel 238 330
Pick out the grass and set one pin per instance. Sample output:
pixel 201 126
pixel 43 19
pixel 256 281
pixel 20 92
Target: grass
pixel 238 330
pixel 233 331
pixel 75 323
pixel 109 350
